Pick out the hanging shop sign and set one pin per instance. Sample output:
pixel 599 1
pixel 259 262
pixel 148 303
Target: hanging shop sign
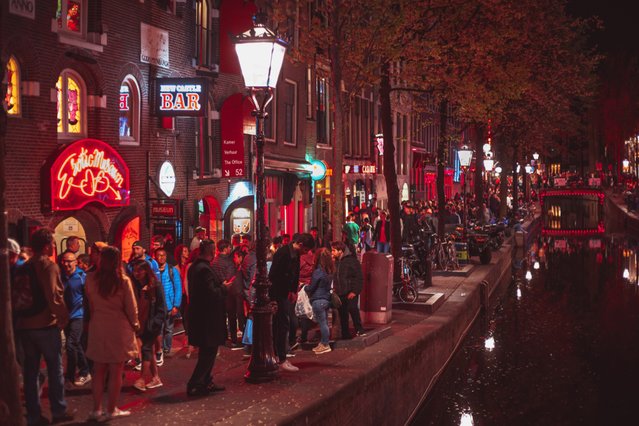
pixel 318 170
pixel 181 97
pixel 232 130
pixel 366 169
pixel 164 210
pixel 166 178
pixel 88 170
pixel 379 143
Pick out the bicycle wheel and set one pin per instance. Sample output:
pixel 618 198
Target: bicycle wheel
pixel 407 293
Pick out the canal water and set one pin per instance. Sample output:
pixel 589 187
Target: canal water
pixel 560 347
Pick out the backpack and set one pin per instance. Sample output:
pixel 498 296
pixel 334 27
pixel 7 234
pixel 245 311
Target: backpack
pixel 27 297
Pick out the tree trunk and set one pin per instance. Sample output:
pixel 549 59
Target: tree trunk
pixel 390 173
pixel 337 180
pixel 515 180
pixel 10 407
pixel 442 160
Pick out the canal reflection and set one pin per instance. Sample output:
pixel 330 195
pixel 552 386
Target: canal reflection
pixel 560 348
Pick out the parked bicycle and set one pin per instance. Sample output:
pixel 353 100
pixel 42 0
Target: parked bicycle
pixel 406 288
pixel 443 253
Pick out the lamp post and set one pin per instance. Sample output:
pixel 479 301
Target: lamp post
pixel 261 54
pixel 465 157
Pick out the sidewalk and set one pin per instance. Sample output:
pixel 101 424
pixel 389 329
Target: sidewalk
pixel 353 384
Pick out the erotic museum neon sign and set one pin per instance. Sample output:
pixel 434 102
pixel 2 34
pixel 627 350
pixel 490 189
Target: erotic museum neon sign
pixel 86 171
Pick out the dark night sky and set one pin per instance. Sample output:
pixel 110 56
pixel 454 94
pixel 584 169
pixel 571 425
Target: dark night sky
pixel 620 33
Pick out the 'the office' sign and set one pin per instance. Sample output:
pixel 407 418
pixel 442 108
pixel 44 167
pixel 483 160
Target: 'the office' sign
pixel 181 97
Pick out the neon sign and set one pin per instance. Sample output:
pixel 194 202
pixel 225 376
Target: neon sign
pixel 181 96
pixel 88 170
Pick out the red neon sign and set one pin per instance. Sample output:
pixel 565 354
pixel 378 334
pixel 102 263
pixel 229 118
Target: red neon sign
pixel 89 170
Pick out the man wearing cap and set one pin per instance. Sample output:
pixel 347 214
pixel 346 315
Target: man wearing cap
pixel 200 234
pixel 138 254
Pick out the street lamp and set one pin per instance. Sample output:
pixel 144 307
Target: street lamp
pixel 536 156
pixel 465 157
pixel 261 54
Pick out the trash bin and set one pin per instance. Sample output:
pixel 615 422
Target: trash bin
pixel 462 253
pixel 376 300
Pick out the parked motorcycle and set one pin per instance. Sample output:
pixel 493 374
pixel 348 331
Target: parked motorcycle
pixel 479 244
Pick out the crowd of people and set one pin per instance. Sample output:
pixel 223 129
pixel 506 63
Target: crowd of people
pixel 112 313
pixel 369 228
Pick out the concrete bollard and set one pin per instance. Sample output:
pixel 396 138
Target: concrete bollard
pixel 376 300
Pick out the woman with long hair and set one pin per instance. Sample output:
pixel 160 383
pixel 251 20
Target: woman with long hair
pixel 112 326
pixel 319 292
pixel 151 314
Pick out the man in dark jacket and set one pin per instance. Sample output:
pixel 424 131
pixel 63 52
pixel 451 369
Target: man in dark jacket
pixel 226 270
pixel 284 277
pixel 347 284
pixel 206 319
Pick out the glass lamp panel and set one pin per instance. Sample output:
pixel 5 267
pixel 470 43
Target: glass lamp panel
pixel 261 62
pixel 465 157
pixel 488 165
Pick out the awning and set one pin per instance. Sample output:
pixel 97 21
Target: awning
pixel 299 167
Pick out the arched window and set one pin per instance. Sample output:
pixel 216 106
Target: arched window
pixel 71 105
pixel 11 101
pixel 129 105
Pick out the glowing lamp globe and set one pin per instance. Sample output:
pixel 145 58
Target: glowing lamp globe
pixel 261 54
pixel 488 164
pixel 465 155
pixel 536 156
pixel 486 147
pixel 626 164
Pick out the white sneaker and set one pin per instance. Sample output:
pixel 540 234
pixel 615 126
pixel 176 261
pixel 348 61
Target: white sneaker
pixel 287 366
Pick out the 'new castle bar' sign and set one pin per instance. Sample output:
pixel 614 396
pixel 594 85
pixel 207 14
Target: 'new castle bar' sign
pixel 181 97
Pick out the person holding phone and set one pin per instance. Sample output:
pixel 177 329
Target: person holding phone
pixel 226 272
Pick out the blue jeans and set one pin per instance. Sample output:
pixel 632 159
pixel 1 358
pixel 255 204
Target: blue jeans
pixel 75 353
pixel 320 312
pixel 383 247
pixel 47 343
pixel 167 330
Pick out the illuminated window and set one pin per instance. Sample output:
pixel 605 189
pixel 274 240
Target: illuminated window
pixel 203 32
pixel 129 105
pixel 323 118
pixel 12 98
pixel 71 105
pixel 71 16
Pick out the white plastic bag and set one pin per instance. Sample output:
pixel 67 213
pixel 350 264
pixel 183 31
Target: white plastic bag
pixel 303 306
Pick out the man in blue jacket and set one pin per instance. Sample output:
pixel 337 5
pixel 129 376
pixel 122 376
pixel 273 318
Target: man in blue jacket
pixel 138 252
pixel 73 279
pixel 172 285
